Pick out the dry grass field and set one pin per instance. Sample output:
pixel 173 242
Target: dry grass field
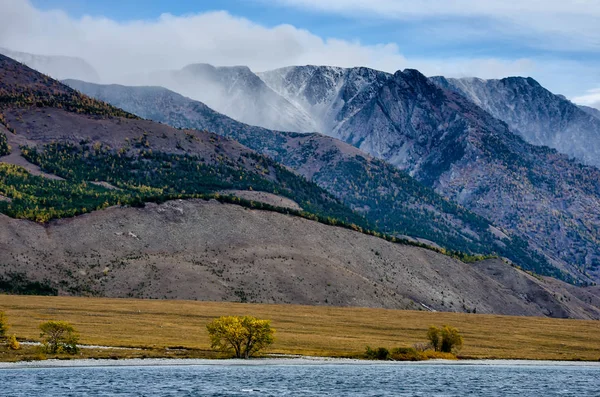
pixel 308 330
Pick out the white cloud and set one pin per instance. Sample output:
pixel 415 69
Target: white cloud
pixel 173 41
pixel 557 24
pixel 118 49
pixel 591 98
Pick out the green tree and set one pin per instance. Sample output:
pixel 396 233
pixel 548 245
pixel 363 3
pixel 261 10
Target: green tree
pixel 446 339
pixel 59 337
pixel 242 336
pixel 4 147
pixel 381 353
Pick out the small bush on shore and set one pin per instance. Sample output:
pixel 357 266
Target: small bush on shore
pixel 13 343
pixel 407 354
pixel 381 353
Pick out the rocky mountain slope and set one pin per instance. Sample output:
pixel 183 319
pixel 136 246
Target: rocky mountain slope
pixel 537 115
pixel 330 95
pixel 388 198
pixel 472 158
pixel 448 142
pixel 188 250
pixel 235 91
pixel 58 67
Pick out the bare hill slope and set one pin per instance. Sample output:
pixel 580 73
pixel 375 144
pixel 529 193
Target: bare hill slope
pixel 210 251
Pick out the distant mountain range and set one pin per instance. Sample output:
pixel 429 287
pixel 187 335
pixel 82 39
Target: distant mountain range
pixel 537 115
pixel 228 89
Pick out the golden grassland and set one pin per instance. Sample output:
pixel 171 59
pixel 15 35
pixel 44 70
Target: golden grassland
pixel 160 327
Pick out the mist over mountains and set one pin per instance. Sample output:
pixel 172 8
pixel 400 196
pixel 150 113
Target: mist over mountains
pixel 58 67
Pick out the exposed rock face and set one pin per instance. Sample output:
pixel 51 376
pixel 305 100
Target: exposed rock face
pixel 449 142
pixel 537 115
pixel 329 95
pixel 58 67
pixel 211 251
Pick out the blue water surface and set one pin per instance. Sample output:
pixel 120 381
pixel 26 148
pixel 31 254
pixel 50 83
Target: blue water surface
pixel 304 380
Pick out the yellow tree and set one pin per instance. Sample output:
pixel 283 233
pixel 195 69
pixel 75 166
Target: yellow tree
pixel 242 336
pixel 452 340
pixel 446 339
pixel 59 337
pixel 3 327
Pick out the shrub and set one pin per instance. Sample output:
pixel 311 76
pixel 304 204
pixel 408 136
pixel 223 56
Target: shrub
pixel 59 337
pixel 13 343
pixel 421 346
pixel 381 353
pixel 406 354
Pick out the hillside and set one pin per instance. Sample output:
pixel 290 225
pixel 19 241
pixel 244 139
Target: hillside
pixel 536 114
pixel 81 140
pixel 388 198
pixel 189 250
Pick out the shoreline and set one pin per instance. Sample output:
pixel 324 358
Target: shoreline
pixel 274 361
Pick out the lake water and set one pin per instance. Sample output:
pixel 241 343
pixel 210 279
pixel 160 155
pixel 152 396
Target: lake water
pixel 307 379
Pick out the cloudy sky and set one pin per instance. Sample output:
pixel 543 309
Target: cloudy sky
pixel 555 41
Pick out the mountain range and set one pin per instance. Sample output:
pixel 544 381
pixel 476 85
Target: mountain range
pixel 129 207
pixel 327 100
pixel 442 139
pixel 227 90
pixel 389 198
pixel 402 200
